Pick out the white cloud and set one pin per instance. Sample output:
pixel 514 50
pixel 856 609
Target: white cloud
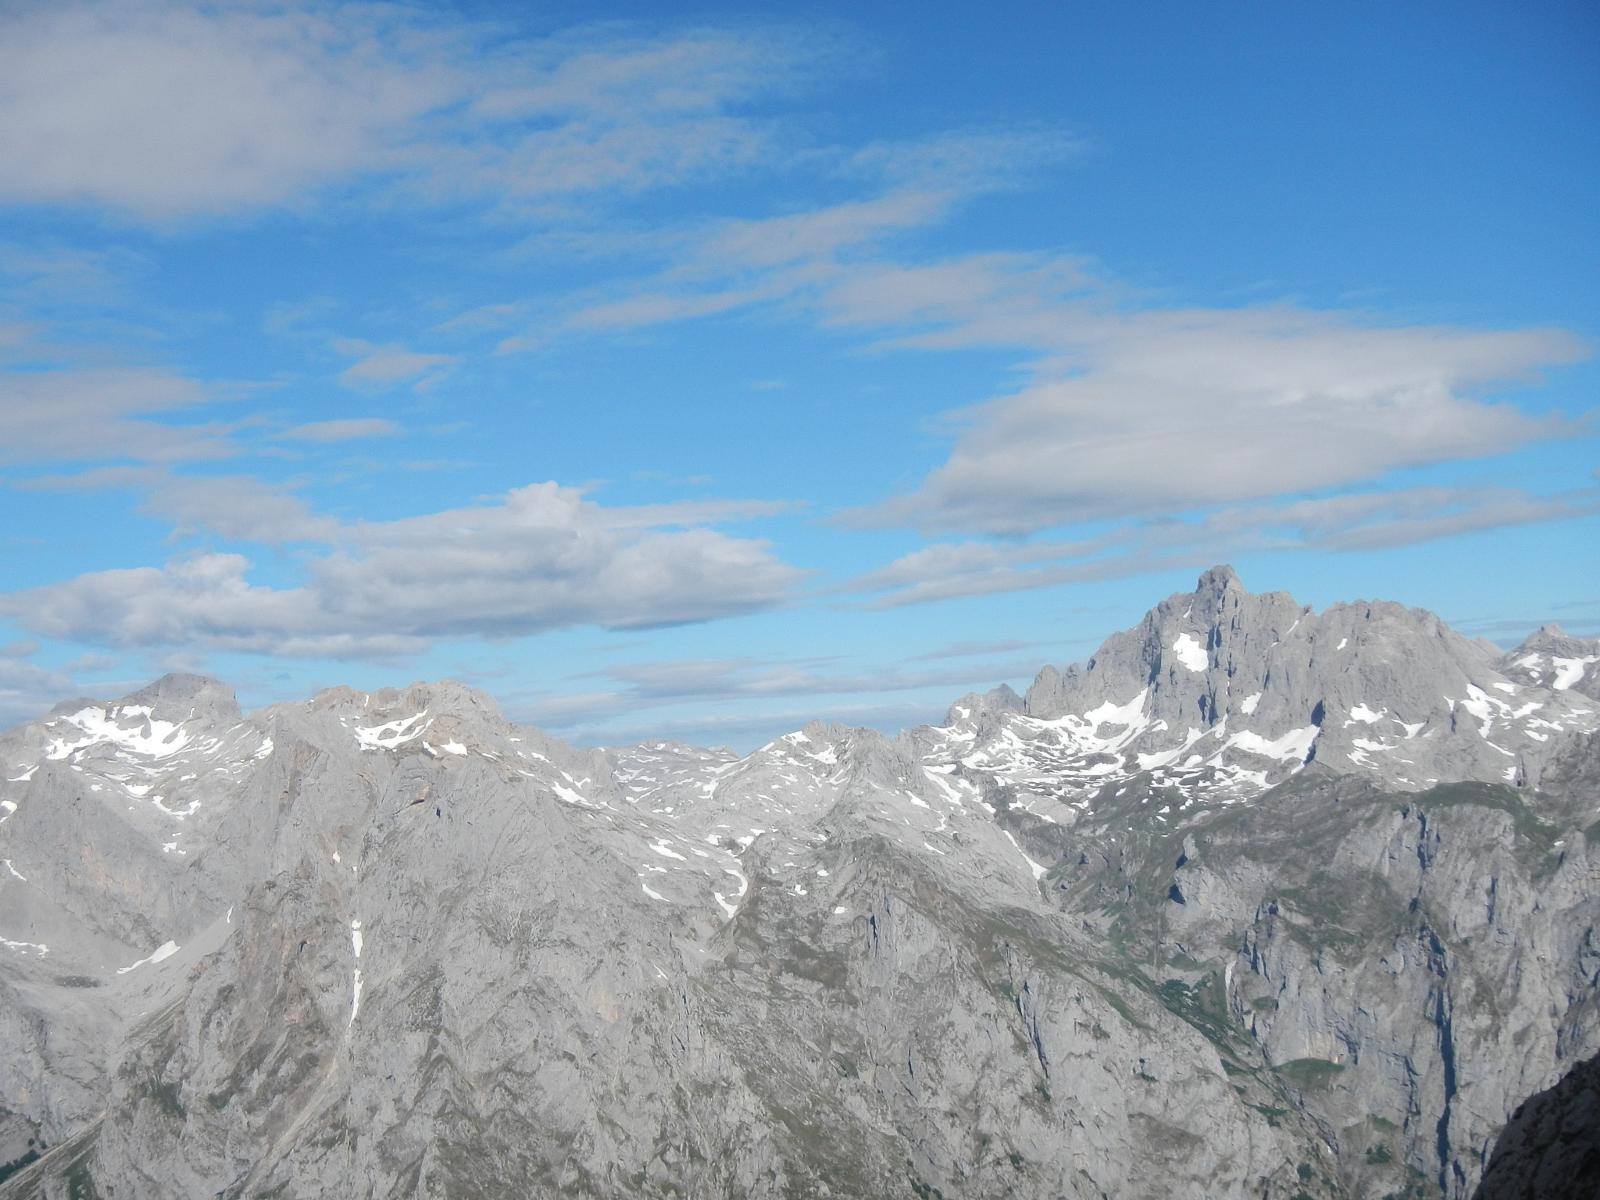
pixel 28 690
pixel 231 506
pixel 342 430
pixel 235 506
pixel 46 273
pixel 765 692
pixel 1173 412
pixel 1130 409
pixel 1359 521
pixel 743 729
pixel 384 366
pixel 69 413
pixel 544 557
pixel 177 111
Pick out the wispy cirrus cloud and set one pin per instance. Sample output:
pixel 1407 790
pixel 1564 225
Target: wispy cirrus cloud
pixel 378 367
pixel 182 112
pixel 769 691
pixel 342 429
pixel 1232 418
pixel 1131 408
pixel 80 413
pixel 741 729
pixel 1351 522
pixel 239 507
pixel 810 259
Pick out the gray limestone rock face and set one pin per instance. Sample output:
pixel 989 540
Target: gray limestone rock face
pixel 1225 692
pixel 1258 901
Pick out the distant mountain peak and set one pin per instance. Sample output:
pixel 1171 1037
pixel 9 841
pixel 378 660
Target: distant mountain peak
pixel 179 689
pixel 1227 691
pixel 1220 578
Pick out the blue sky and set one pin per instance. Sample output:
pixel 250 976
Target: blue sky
pixel 695 372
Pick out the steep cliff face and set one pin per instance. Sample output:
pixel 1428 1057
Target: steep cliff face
pixel 1116 939
pixel 1412 964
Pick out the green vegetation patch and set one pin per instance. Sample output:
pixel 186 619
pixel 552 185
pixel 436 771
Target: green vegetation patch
pixel 167 1098
pixel 1309 1074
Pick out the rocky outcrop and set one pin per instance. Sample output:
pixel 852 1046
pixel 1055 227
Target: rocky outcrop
pixel 1550 1149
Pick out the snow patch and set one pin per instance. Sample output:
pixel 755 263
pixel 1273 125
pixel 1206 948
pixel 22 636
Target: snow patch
pixel 1190 653
pixel 1293 746
pixel 1037 868
pixel 355 976
pixel 1570 670
pixel 144 736
pixel 570 796
pixel 163 951
pixel 390 734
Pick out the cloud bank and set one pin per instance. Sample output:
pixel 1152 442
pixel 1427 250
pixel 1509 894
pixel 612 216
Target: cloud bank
pixel 543 557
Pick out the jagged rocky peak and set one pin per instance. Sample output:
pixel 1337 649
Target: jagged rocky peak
pixel 1188 640
pixel 1224 689
pixel 1551 657
pixel 976 705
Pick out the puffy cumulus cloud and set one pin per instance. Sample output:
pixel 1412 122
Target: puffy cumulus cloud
pixel 176 111
pixel 543 557
pixel 546 557
pixel 200 601
pixel 1353 522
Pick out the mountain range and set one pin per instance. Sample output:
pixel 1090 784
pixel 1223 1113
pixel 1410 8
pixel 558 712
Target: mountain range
pixel 1257 901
